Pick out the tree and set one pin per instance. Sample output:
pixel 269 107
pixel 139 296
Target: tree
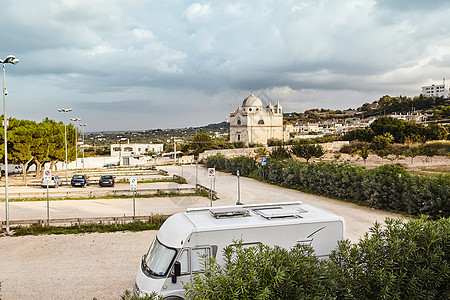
pixel 20 137
pixel 262 151
pixel 363 150
pixel 412 152
pixel 395 127
pixel 279 153
pixel 381 144
pixel 307 151
pixel 436 132
pixel 54 141
pixel 200 142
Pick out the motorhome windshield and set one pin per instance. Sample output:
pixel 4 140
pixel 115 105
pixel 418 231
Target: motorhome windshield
pixel 159 258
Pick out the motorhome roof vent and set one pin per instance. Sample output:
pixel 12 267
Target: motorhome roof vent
pixel 229 212
pixel 279 212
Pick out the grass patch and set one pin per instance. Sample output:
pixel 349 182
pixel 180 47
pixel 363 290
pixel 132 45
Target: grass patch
pixel 435 169
pixel 198 193
pixel 176 180
pixel 154 224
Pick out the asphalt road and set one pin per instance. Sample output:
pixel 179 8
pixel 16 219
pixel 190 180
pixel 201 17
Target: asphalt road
pixel 358 219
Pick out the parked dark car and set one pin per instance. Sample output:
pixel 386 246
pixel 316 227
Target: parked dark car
pixel 106 180
pixel 79 180
pixel 110 165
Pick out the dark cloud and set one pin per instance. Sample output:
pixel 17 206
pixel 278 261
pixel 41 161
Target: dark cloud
pixel 180 62
pixel 412 5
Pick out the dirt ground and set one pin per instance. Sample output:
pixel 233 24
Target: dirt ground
pixel 435 164
pixel 100 265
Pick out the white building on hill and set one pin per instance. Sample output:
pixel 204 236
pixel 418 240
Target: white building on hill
pixel 438 90
pixel 252 123
pixel 121 150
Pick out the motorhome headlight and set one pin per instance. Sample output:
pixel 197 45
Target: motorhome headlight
pixel 136 291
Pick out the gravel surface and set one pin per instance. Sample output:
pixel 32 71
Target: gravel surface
pixel 100 265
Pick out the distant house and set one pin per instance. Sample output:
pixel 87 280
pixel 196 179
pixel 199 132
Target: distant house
pixel 124 150
pixel 418 118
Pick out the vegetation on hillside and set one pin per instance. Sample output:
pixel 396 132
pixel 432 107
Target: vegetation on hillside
pixel 436 108
pixel 401 131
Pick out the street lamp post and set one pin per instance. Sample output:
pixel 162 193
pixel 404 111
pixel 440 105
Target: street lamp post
pixel 65 110
pixel 10 59
pixel 76 143
pixel 82 126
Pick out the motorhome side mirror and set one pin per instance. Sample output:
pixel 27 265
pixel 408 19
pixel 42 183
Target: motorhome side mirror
pixel 176 271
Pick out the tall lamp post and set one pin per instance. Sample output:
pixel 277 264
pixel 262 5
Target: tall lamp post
pixel 10 59
pixel 76 143
pixel 82 126
pixel 65 110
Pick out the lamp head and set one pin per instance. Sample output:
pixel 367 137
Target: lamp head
pixel 10 59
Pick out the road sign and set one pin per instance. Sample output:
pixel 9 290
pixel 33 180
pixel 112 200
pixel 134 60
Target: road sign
pixel 47 174
pixel 263 160
pixel 133 183
pixel 211 172
pixel 237 173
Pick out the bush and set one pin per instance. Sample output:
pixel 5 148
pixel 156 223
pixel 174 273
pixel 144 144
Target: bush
pixel 388 187
pixel 403 261
pixel 384 187
pixel 279 152
pixel 244 164
pixel 217 161
pixel 262 272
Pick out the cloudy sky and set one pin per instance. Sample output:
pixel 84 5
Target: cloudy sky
pixel 135 64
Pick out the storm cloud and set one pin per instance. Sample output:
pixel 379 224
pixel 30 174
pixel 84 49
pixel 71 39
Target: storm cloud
pixel 164 64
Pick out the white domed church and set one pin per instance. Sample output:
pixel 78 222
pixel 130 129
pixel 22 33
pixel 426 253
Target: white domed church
pixel 252 123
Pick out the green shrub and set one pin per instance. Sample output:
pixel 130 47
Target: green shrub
pixel 218 161
pixel 262 272
pixel 244 164
pixel 388 187
pixel 279 152
pixel 128 296
pixel 406 260
pixel 384 187
pixel 401 260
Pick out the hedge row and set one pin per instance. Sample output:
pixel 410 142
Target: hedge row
pixel 388 187
pixel 398 261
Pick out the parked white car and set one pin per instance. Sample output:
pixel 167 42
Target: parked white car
pixel 55 181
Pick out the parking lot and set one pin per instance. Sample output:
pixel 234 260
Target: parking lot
pixel 103 265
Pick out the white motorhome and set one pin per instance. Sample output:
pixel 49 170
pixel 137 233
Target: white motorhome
pixel 177 252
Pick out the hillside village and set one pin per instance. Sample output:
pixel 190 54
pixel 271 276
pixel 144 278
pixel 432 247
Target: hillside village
pixel 431 106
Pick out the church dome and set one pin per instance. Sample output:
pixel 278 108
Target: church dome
pixel 252 100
